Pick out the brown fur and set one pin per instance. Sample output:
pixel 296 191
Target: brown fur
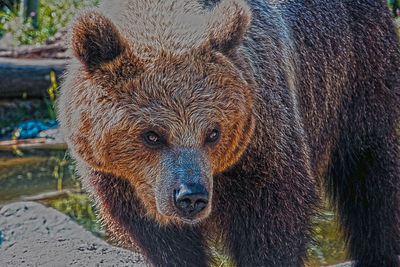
pixel 300 90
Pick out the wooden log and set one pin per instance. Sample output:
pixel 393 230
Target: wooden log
pixel 43 51
pixel 22 142
pixel 9 145
pixel 30 76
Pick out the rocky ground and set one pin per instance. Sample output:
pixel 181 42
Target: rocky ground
pixel 34 235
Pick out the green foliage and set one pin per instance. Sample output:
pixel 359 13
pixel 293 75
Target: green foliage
pixel 58 171
pixel 394 7
pixel 78 206
pixel 80 209
pixel 53 15
pixel 51 102
pixel 328 247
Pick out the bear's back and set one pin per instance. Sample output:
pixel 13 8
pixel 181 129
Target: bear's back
pixel 335 53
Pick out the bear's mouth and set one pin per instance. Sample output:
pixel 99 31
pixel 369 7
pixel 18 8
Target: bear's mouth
pixel 193 219
pixel 190 220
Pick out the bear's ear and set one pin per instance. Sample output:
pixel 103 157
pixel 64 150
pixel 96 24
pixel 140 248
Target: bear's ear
pixel 228 23
pixel 96 40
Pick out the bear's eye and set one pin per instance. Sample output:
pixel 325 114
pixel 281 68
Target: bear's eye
pixel 212 136
pixel 152 138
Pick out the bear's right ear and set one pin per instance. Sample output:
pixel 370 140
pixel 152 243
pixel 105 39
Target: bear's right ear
pixel 228 23
pixel 96 40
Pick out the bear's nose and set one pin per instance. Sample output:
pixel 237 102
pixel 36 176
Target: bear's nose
pixel 191 199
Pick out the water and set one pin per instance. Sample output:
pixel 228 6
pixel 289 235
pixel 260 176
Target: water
pixel 47 175
pixel 36 171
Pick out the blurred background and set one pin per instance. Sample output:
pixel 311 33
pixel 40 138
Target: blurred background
pixel 34 160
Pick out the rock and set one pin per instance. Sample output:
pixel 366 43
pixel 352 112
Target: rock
pixel 53 136
pixel 34 235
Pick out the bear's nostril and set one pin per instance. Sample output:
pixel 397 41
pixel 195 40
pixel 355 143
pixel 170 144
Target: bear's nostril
pixel 201 204
pixel 185 203
pixel 190 200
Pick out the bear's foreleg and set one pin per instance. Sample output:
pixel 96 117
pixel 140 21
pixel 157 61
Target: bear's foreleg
pixel 265 222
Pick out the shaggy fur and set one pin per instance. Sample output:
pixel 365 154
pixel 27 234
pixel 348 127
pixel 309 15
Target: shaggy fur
pixel 302 91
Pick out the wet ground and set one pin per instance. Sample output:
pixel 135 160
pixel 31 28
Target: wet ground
pixel 47 175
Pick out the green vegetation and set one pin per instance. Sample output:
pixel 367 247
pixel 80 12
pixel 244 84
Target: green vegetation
pixel 394 6
pixel 53 16
pixel 328 247
pixel 58 171
pixel 51 102
pixel 77 205
pixel 79 208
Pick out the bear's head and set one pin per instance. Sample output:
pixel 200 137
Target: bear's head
pixel 168 123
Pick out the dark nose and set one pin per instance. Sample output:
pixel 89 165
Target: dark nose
pixel 191 199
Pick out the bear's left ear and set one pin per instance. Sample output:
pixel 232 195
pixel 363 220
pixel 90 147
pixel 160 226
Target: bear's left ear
pixel 228 23
pixel 96 40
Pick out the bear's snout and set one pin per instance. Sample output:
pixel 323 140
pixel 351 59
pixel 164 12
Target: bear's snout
pixel 190 199
pixel 184 187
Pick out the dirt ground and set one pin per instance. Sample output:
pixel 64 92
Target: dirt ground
pixel 34 235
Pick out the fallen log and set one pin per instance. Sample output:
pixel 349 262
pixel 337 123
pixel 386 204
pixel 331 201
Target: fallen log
pixel 30 76
pixel 44 51
pixel 4 144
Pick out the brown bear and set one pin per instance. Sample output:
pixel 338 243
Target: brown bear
pixel 197 121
